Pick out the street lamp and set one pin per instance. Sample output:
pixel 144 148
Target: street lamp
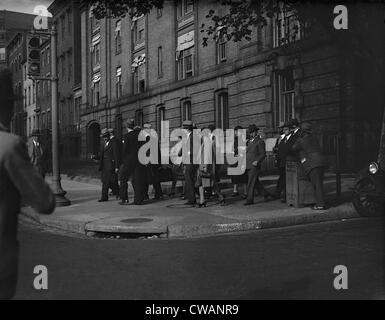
pixel 61 200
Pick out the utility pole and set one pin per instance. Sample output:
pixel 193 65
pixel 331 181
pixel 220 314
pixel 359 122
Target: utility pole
pixel 61 200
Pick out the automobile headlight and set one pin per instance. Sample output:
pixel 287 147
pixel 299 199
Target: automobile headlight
pixel 373 168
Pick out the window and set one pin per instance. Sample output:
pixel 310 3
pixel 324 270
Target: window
pixel 69 21
pixel 25 98
pixel 186 110
pixel 96 94
pixel 185 7
pixel 77 104
pixel 69 67
pixel 139 118
pixel 95 23
pixel 33 92
pixel 222 111
pixel 287 28
pixel 284 96
pixel 221 49
pixel 48 56
pixel 118 82
pixel 63 26
pixel 185 55
pixel 186 64
pixel 160 62
pixel 118 37
pixel 161 117
pixel 138 29
pixel 29 96
pixel 96 55
pixel 159 12
pixel 139 73
pixel 63 68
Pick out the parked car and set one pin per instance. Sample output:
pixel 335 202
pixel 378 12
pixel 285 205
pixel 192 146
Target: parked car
pixel 369 191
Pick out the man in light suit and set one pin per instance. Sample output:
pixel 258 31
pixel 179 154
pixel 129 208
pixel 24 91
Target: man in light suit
pixel 18 180
pixel 255 154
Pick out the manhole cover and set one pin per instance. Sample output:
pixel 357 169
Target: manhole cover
pixel 137 220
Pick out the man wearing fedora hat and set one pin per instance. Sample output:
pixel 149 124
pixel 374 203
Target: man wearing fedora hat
pixel 190 168
pixel 255 155
pixel 312 161
pixel 18 180
pixel 36 152
pixel 109 163
pixel 281 150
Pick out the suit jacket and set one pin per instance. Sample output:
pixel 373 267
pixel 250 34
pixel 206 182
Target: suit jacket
pixel 109 157
pixel 310 153
pixel 18 180
pixel 36 153
pixel 256 151
pixel 292 155
pixel 282 151
pixel 130 148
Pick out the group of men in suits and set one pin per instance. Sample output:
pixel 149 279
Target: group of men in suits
pixel 298 144
pixel 119 163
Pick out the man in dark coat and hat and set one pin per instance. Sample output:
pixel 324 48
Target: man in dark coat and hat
pixel 18 180
pixel 255 155
pixel 281 150
pixel 312 161
pixel 109 163
pixel 36 152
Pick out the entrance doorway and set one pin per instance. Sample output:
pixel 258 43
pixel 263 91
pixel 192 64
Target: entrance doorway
pixel 93 139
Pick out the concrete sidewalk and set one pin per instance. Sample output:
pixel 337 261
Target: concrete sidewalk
pixel 172 219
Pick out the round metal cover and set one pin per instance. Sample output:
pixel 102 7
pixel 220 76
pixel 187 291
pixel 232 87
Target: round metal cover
pixel 137 220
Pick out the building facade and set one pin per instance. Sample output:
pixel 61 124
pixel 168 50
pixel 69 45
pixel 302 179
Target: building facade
pixel 10 24
pixel 16 60
pixel 66 17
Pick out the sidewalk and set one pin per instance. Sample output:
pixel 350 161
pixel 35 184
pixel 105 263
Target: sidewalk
pixel 171 219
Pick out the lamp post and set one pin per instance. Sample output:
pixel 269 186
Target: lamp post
pixel 61 200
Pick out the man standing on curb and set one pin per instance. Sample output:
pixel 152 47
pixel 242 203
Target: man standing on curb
pixel 19 180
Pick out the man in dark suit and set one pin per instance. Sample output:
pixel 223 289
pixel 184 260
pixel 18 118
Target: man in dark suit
pixel 312 161
pixel 190 168
pixel 255 154
pixel 116 145
pixel 131 167
pixel 295 133
pixel 281 154
pixel 152 172
pixel 36 152
pixel 18 180
pixel 109 163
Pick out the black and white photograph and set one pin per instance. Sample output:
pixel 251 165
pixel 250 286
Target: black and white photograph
pixel 189 156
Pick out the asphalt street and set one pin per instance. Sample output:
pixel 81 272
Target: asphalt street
pixel 287 263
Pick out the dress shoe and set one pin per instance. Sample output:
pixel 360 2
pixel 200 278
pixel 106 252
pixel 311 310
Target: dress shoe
pixel 124 203
pixel 248 203
pixel 235 194
pixel 102 200
pixel 189 203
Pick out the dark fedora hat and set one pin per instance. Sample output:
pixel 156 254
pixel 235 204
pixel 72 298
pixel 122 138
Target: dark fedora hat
pixel 307 127
pixel 292 123
pixel 130 123
pixel 253 128
pixel 105 133
pixel 35 133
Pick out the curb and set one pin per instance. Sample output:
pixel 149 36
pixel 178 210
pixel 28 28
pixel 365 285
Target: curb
pixel 343 212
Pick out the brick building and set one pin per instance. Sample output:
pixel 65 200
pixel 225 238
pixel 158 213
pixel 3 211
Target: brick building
pixel 66 17
pixel 10 24
pixel 16 58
